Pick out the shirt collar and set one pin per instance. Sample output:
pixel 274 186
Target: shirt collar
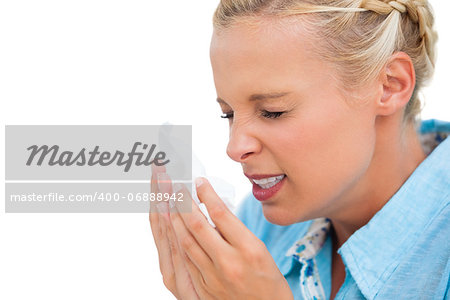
pixel 312 242
pixel 285 262
pixel 374 251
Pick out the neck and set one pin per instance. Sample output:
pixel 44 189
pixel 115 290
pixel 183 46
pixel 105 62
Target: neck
pixel 397 154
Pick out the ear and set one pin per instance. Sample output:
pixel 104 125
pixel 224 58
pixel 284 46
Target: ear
pixel 398 79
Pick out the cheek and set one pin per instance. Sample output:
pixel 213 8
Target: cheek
pixel 325 154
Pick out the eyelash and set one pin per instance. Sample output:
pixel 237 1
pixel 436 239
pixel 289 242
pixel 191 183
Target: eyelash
pixel 227 115
pixel 264 113
pixel 271 114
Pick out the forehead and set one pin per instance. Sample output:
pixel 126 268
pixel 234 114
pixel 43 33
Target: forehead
pixel 259 38
pixel 259 54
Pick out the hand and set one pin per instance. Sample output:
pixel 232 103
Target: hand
pixel 175 275
pixel 227 263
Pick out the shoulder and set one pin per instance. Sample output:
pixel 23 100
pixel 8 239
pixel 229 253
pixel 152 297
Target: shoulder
pixel 425 269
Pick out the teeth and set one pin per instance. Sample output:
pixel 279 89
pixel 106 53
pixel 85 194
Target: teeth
pixel 269 182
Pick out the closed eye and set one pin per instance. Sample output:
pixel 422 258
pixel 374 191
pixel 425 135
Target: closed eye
pixel 271 114
pixel 227 115
pixel 264 113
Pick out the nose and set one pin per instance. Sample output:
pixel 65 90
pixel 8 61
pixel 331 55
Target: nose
pixel 242 143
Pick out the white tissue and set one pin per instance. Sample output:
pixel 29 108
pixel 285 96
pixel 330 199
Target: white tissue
pixel 223 189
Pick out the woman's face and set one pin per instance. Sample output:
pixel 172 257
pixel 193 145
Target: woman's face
pixel 290 121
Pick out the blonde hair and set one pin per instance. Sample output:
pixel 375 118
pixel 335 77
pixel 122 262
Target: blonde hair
pixel 359 36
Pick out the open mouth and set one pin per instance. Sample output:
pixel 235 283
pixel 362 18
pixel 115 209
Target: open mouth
pixel 266 186
pixel 268 182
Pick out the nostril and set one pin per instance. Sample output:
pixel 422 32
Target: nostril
pixel 244 156
pixel 238 154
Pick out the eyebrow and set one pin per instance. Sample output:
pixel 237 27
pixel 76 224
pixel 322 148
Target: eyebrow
pixel 257 97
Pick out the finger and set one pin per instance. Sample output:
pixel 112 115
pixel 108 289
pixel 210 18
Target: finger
pixel 153 216
pixel 164 187
pixel 154 184
pixel 159 228
pixel 189 244
pixel 158 215
pixel 197 280
pixel 231 228
pixel 165 258
pixel 184 282
pixel 158 169
pixel 196 223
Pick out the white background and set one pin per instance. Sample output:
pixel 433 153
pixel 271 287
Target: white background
pixel 116 62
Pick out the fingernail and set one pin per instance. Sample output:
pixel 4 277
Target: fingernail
pixel 198 181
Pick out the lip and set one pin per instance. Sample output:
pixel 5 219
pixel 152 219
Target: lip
pixel 262 176
pixel 265 194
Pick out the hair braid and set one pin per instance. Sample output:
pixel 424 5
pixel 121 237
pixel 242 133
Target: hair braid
pixel 418 12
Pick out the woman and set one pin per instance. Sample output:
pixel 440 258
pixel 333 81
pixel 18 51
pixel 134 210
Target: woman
pixel 322 102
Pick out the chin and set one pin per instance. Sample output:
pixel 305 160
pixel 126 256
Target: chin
pixel 278 216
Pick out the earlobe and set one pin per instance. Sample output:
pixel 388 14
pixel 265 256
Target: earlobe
pixel 398 80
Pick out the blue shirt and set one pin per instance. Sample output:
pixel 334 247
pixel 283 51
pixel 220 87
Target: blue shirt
pixel 403 252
